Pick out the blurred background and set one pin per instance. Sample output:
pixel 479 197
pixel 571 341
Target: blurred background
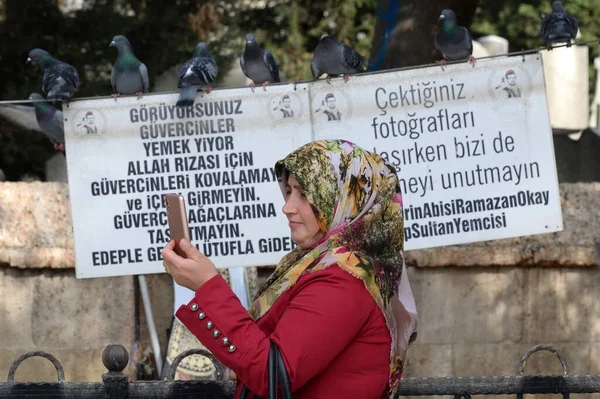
pixel 164 33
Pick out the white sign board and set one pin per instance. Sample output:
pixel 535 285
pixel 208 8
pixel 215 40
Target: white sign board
pixel 473 148
pixel 124 155
pixel 472 145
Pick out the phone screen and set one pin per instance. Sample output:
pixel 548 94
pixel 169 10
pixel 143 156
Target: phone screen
pixel 177 218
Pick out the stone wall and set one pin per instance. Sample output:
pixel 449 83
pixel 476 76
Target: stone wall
pixel 481 305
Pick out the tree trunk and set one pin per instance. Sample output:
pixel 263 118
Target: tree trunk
pixel 409 26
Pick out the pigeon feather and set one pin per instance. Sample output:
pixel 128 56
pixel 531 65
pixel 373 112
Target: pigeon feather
pixel 59 80
pixel 258 64
pixel 558 26
pixel 453 41
pixel 41 117
pixel 334 58
pixel 128 75
pixel 198 73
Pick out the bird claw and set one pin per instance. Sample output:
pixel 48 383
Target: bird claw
pixel 115 95
pixel 59 147
pixel 346 77
pixel 208 89
pixel 442 63
pixel 328 79
pixel 139 94
pixel 472 60
pixel 252 86
pixel 265 84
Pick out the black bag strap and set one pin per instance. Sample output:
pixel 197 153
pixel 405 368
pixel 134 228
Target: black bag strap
pixel 276 371
pixel 282 374
pixel 273 372
pixel 244 392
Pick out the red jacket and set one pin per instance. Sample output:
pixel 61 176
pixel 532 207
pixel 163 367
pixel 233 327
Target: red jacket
pixel 331 334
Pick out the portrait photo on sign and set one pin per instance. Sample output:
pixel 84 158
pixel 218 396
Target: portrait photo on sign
pixel 285 108
pixel 331 106
pixel 509 83
pixel 331 114
pixel 88 123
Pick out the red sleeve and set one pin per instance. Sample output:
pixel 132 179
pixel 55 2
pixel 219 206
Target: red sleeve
pixel 327 311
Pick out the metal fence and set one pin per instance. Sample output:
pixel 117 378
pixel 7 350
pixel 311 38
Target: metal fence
pixel 116 385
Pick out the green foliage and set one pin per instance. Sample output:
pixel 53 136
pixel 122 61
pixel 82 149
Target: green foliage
pixel 519 22
pixel 163 34
pixel 159 32
pixel 290 29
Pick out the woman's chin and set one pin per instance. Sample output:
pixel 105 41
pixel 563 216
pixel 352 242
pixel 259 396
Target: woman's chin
pixel 298 241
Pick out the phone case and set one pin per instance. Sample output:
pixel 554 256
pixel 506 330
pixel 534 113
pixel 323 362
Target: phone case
pixel 177 218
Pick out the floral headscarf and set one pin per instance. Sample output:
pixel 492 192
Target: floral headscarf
pixel 358 204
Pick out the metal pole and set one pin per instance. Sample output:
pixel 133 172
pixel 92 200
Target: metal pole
pixel 150 320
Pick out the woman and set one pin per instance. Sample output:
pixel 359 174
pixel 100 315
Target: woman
pixel 339 306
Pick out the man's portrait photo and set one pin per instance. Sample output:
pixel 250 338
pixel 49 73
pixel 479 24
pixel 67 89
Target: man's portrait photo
pixel 329 108
pixel 509 84
pixel 285 107
pixel 89 123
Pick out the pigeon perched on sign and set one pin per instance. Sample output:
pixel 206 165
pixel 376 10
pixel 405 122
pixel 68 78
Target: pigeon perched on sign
pixel 452 40
pixel 559 26
pixel 196 74
pixel 59 79
pixel 128 74
pixel 334 58
pixel 258 64
pixel 41 117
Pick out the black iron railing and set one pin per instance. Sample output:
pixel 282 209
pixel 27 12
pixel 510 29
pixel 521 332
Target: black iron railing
pixel 116 385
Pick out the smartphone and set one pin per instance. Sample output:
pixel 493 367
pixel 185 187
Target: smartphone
pixel 177 218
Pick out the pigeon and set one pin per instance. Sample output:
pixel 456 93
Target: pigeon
pixel 258 64
pixel 196 74
pixel 334 58
pixel 558 26
pixel 50 120
pixel 128 74
pixel 452 40
pixel 41 117
pixel 60 80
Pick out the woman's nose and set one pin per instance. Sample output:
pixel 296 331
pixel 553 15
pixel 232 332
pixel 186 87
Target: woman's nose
pixel 289 207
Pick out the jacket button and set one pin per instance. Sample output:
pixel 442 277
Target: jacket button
pixel 201 315
pixel 194 307
pixel 225 341
pixel 216 333
pixel 231 348
pixel 209 325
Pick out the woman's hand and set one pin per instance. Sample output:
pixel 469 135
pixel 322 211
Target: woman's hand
pixel 192 272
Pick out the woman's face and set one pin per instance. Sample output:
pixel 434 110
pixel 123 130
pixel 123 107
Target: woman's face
pixel 303 222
